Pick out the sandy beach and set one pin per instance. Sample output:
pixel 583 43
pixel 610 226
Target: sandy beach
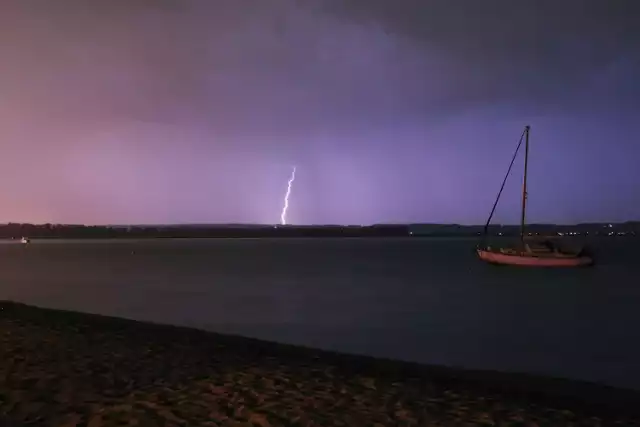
pixel 62 368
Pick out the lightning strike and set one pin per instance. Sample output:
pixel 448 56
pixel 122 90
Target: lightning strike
pixel 283 215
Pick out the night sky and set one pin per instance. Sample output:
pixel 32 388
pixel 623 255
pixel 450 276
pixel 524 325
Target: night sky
pixel 178 111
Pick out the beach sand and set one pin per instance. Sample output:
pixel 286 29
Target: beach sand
pixel 62 368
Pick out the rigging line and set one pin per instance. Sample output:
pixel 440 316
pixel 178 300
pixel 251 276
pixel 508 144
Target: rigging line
pixel 486 226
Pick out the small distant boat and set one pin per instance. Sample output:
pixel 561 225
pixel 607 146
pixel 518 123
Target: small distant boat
pixel 25 240
pixel 529 252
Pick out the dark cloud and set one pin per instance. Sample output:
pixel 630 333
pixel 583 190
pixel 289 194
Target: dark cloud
pixel 530 51
pixel 319 61
pixel 385 100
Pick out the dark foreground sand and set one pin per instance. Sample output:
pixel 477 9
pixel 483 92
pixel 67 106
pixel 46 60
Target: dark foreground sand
pixel 69 369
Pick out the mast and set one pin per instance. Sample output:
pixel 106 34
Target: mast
pixel 524 182
pixel 504 181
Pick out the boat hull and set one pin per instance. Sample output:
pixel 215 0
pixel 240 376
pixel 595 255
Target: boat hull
pixel 527 260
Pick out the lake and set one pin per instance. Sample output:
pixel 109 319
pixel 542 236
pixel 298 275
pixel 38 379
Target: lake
pixel 424 300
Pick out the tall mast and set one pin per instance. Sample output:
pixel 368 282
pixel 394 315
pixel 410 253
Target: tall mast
pixel 524 182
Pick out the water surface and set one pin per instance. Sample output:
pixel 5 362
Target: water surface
pixel 425 300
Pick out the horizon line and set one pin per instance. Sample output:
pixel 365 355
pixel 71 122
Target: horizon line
pixel 278 225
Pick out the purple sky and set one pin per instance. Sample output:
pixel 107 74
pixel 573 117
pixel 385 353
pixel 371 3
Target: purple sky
pixel 177 111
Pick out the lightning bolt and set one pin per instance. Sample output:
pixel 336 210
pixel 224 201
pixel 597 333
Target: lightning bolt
pixel 283 215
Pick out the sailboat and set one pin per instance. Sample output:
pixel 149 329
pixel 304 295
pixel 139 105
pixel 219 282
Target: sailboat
pixel 528 252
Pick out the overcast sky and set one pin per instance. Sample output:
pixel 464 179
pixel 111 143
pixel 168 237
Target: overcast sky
pixel 177 111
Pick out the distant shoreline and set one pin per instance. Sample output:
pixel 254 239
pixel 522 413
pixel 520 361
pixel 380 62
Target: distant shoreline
pixel 41 231
pixel 143 370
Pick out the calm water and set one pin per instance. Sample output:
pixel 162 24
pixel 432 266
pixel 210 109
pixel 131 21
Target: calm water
pixel 426 300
